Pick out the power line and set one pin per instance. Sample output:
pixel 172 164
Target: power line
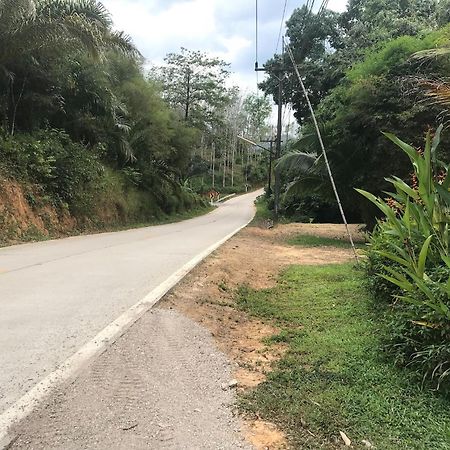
pixel 322 145
pixel 323 7
pixel 281 25
pixel 256 31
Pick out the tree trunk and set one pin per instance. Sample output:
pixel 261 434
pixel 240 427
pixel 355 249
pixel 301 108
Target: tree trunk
pixel 188 95
pixel 233 156
pixel 213 165
pixel 16 104
pixel 224 177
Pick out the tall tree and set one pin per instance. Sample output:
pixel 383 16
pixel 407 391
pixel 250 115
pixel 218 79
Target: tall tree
pixel 195 84
pixel 37 33
pixel 327 44
pixel 257 110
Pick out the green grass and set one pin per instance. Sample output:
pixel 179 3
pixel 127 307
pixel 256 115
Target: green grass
pixel 262 211
pixel 333 377
pixel 309 240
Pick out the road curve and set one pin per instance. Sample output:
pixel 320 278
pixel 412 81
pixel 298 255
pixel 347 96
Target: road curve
pixel 57 295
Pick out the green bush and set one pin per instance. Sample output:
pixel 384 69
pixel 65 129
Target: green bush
pixel 408 261
pixel 309 208
pixel 66 171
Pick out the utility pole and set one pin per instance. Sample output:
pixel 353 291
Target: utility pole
pixel 213 164
pixel 278 147
pixel 270 151
pixel 279 77
pixel 269 181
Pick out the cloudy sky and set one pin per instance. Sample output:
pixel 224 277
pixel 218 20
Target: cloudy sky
pixel 224 28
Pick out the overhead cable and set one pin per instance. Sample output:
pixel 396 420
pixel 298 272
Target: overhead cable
pixel 281 25
pixel 324 153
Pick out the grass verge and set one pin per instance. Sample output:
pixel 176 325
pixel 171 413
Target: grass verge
pixel 262 211
pixel 309 240
pixel 333 377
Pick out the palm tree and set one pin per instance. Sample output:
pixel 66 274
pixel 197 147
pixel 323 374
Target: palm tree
pixel 303 170
pixel 35 31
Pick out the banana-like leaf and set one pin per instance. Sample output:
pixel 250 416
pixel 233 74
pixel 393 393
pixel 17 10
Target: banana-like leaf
pixel 423 257
pixel 402 186
pixel 395 258
pixel 407 216
pixel 444 194
pixel 401 278
pixel 436 141
pixel 408 149
pixel 402 285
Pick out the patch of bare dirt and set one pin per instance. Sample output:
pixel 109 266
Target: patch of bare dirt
pixel 254 257
pixel 24 215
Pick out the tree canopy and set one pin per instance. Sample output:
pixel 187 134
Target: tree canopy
pixel 360 72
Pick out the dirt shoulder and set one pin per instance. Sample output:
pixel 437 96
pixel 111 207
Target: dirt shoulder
pixel 166 382
pixel 254 257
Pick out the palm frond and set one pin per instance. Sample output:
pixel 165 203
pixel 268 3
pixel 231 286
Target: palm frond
pixel 122 43
pixel 14 12
pixel 92 10
pixel 438 91
pixel 297 162
pixel 432 53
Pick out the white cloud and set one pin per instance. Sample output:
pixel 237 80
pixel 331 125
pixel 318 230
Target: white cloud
pixel 223 28
pixel 154 28
pixel 233 47
pixel 338 5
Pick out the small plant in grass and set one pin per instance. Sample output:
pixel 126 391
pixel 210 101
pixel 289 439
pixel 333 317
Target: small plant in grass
pixel 408 260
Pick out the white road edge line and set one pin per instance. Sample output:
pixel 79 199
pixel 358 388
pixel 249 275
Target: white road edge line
pixel 26 404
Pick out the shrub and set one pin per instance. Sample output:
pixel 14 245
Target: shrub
pixel 66 171
pixel 408 261
pixel 309 208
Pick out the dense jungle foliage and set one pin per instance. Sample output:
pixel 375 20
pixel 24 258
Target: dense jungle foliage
pixel 380 66
pixel 87 128
pixel 363 79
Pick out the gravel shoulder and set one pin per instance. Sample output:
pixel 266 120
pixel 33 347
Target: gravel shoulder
pixel 159 386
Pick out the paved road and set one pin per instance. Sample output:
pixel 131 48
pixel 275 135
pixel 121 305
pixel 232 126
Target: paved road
pixel 55 296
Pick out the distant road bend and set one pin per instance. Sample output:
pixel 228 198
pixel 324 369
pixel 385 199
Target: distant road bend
pixel 57 295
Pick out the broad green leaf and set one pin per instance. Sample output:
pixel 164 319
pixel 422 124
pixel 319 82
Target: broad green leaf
pixel 395 258
pixel 401 185
pixel 436 141
pixel 408 149
pixel 423 257
pixel 399 283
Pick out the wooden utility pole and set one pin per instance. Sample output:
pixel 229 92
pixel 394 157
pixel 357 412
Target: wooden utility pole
pixel 213 164
pixel 269 181
pixel 188 94
pixel 279 76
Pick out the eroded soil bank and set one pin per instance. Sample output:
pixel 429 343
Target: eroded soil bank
pixel 27 214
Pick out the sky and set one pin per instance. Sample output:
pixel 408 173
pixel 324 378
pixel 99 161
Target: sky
pixel 223 28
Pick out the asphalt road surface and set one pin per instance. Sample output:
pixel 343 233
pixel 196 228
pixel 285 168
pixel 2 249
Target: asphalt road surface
pixel 57 295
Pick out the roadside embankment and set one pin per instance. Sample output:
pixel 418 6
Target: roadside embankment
pixel 27 213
